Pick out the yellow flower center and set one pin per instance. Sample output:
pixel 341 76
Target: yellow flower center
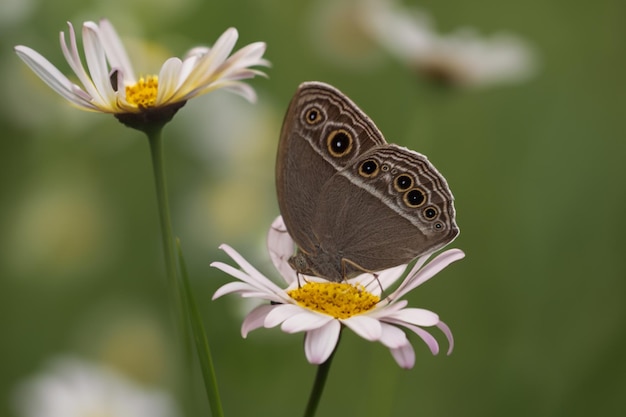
pixel 340 300
pixel 144 92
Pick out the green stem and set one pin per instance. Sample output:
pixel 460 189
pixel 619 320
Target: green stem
pixel 156 151
pixel 182 298
pixel 202 342
pixel 320 382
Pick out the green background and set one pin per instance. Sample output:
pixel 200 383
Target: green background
pixel 537 168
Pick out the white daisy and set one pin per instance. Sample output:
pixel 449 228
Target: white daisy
pixel 321 308
pixel 71 387
pixel 109 84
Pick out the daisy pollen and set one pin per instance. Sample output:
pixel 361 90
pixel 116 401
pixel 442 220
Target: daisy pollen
pixel 144 93
pixel 339 300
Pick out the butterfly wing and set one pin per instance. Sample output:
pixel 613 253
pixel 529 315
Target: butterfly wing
pixel 384 209
pixel 323 132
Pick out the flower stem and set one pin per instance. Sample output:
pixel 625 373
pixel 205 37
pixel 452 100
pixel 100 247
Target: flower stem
pixel 201 339
pixel 156 151
pixel 320 382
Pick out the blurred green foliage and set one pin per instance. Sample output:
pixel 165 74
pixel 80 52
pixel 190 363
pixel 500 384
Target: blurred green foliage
pixel 537 307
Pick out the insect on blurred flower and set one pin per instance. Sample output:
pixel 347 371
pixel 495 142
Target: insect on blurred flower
pixel 321 308
pixel 74 388
pixel 110 85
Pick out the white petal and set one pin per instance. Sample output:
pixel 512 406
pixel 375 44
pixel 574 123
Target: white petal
pixel 241 288
pixel 433 268
pixel 115 51
pixel 446 330
pixel 305 321
pixel 203 71
pixel 385 279
pixel 252 275
pixel 168 81
pixel 53 77
pixel 366 327
pixel 255 319
pixel 319 344
pixel 404 356
pixel 281 313
pixel 73 59
pixel 382 310
pixel 281 247
pixel 392 336
pixel 416 316
pixel 97 65
pixel 430 341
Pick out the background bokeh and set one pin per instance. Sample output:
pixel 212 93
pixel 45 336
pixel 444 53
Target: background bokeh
pixel 537 168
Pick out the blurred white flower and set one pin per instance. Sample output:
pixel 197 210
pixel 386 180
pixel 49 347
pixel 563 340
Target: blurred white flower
pixel 73 388
pixel 461 58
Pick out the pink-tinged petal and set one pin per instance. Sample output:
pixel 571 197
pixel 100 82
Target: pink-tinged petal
pixel 115 51
pixel 281 247
pixel 231 287
pixel 430 341
pixel 364 326
pixel 384 279
pixel 446 331
pixel 384 310
pixel 404 356
pixel 246 290
pixel 252 276
pixel 416 316
pixel 320 343
pixel 281 313
pixel 53 77
pixel 392 336
pixel 255 319
pixel 430 270
pixel 305 321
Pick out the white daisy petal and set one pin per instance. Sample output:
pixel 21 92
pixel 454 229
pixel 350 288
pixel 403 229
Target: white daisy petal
pixel 430 341
pixel 280 246
pixel 255 277
pixel 115 51
pixel 366 327
pixel 392 336
pixel 416 316
pixel 404 356
pixel 446 331
pixel 385 279
pixel 97 65
pixel 430 270
pixel 244 289
pixel 320 343
pixel 169 78
pixel 255 319
pixel 304 321
pixel 52 76
pixel 73 59
pixel 281 313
